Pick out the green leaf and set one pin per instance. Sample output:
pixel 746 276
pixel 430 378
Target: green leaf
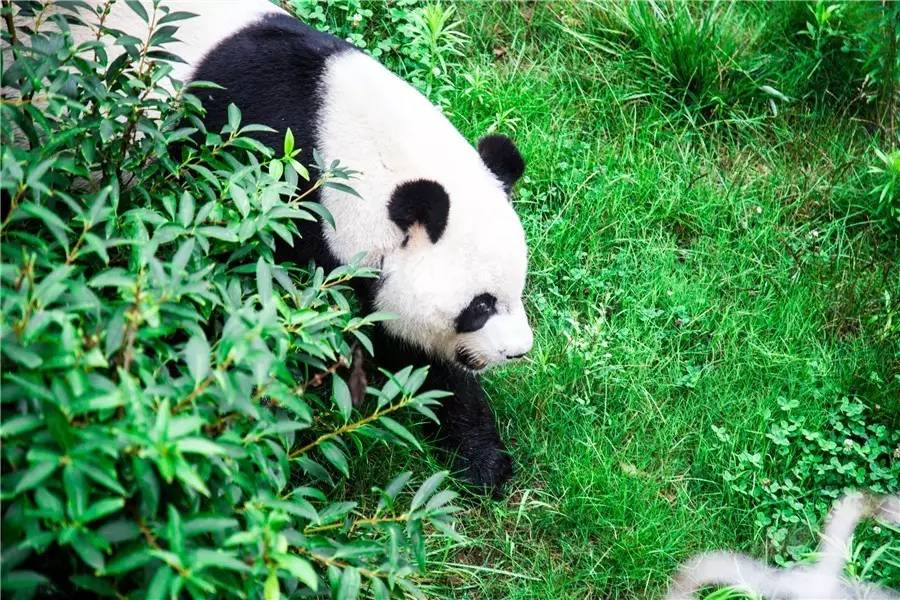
pixel 264 281
pixel 335 511
pixel 252 144
pixel 106 130
pixel 51 287
pixel 87 552
pixel 240 199
pixel 128 561
pixel 415 381
pixel 319 209
pixel 174 532
pixel 49 504
pixel 300 169
pixel 348 588
pixel 441 499
pixel 160 429
pixel 186 209
pixel 379 590
pixel 299 568
pixel 400 431
pixel 186 473
pixel 234 118
pixel 196 355
pixel 242 538
pixel 427 489
pixel 205 557
pixel 276 169
pixel 335 456
pixel 76 490
pixel 257 128
pixel 138 8
pixel 97 246
pixel 120 530
pixel 98 586
pixel 50 219
pixel 197 445
pixel 343 187
pixel 21 355
pixel 181 258
pixel 19 424
pixel 98 400
pixel 175 16
pixel 220 233
pixel 341 395
pixel 22 580
pixel 288 142
pixel 115 277
pixel 380 315
pixel 101 508
pixel 271 591
pixel 200 525
pixel 159 585
pixel 389 494
pixel 297 506
pixel 35 475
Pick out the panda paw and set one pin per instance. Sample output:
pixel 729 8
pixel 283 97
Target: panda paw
pixel 487 470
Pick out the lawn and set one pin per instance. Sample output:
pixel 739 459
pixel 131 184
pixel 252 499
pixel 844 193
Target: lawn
pixel 706 283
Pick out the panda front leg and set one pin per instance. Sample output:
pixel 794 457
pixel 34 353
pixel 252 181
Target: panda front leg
pixel 468 431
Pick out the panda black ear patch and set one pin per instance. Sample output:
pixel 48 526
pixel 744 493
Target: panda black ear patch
pixel 421 202
pixel 502 157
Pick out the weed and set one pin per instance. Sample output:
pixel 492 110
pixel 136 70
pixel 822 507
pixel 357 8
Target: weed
pixel 885 177
pixel 846 51
pixel 422 43
pixel 807 466
pixel 699 58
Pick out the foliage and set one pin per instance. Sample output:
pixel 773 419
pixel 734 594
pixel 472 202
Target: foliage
pixel 701 60
pixel 885 177
pixel 175 420
pixel 725 63
pixel 420 42
pixel 807 467
pixel 847 50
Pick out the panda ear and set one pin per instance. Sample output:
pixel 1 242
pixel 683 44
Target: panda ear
pixel 420 202
pixel 502 157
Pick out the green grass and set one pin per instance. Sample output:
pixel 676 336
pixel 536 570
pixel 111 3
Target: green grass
pixel 694 258
pixel 683 276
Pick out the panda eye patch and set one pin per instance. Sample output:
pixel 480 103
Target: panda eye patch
pixel 475 315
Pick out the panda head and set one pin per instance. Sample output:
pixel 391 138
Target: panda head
pixel 455 279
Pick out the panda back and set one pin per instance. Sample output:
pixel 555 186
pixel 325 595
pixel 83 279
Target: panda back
pixel 271 69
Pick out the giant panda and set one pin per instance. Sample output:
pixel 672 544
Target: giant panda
pixel 435 216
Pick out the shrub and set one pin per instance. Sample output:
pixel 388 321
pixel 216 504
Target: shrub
pixel 420 42
pixel 175 418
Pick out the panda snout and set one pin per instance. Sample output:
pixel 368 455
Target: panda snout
pixel 519 338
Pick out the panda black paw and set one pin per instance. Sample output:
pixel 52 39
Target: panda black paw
pixel 487 470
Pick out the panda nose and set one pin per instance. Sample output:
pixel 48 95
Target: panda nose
pixel 515 356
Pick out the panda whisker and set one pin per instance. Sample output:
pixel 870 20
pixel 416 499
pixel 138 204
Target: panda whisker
pixel 470 358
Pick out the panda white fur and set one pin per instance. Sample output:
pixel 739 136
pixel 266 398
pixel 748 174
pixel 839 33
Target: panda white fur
pixel 435 214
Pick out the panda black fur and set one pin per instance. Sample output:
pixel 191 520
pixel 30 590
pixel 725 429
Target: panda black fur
pixel 435 214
